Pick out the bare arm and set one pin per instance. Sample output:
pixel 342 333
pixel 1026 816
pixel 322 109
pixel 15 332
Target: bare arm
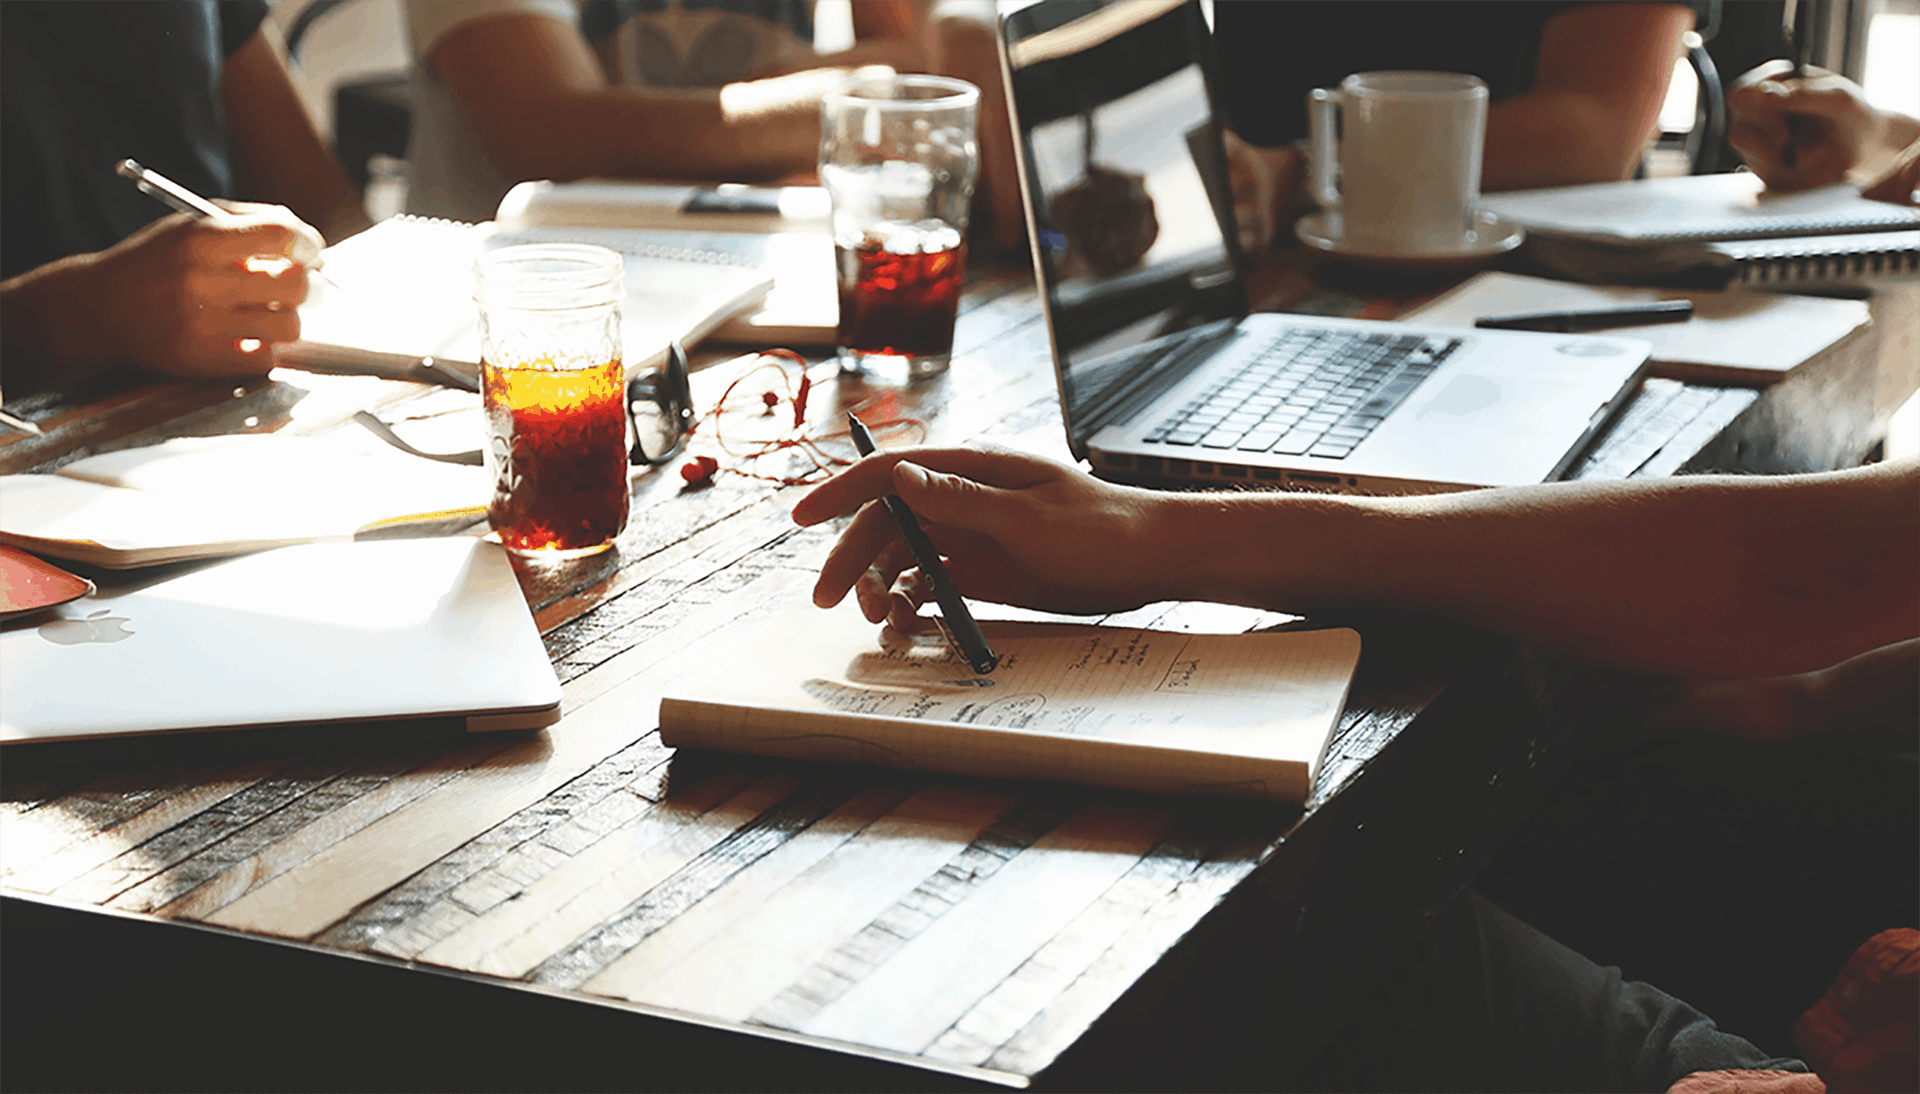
pixel 276 145
pixel 1706 575
pixel 1603 73
pixel 543 107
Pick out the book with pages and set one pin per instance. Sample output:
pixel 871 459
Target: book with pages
pixel 1243 715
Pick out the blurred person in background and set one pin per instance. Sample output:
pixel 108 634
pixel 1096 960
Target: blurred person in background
pixel 512 90
pixel 1575 88
pixel 97 272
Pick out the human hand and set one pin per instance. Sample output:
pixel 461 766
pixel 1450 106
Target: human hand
pixel 1837 129
pixel 1014 528
pixel 192 297
pixel 1899 182
pixel 1266 188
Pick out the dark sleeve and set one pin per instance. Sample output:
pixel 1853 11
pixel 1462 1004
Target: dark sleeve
pixel 239 19
pixel 1270 55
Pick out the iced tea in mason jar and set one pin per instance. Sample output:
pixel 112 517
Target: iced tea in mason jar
pixel 552 382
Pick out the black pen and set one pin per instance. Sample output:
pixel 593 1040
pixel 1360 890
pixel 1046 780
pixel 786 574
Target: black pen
pixel 1794 28
pixel 956 620
pixel 1573 322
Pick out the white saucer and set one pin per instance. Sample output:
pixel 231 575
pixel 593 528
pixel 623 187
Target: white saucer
pixel 1495 235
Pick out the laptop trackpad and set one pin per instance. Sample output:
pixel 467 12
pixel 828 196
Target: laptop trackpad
pixel 1463 396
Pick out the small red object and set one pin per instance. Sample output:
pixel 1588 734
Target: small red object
pixel 772 400
pixel 800 401
pixel 699 469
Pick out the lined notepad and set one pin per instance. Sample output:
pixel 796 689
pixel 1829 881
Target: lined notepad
pixel 405 287
pixel 1239 714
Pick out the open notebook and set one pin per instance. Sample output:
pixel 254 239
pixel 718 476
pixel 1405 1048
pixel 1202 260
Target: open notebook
pixel 206 497
pixel 1245 715
pixel 405 291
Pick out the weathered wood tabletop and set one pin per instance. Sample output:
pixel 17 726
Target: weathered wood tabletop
pixel 589 910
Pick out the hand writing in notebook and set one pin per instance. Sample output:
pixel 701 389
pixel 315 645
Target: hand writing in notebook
pixel 1035 533
pixel 1838 134
pixel 1560 565
pixel 176 296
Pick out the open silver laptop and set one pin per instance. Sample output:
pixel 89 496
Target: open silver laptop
pixel 322 633
pixel 1164 376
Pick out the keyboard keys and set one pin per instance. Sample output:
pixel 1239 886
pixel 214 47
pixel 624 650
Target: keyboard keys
pixel 1296 442
pixel 1317 392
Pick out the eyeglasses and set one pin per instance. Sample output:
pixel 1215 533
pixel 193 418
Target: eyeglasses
pixel 660 410
pixel 659 416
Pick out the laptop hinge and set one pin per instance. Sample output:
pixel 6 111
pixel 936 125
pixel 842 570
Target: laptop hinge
pixel 1165 366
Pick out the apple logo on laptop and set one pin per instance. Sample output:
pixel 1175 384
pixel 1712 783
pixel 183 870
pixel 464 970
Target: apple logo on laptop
pixel 98 627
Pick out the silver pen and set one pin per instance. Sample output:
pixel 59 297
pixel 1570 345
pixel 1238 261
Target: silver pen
pixel 157 185
pixel 14 421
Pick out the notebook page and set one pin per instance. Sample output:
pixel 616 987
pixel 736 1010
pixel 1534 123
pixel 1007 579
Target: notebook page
pixel 405 286
pixel 1695 208
pixel 1269 696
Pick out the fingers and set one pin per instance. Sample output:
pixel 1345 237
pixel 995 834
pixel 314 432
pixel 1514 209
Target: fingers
pixel 1822 116
pixel 873 477
pixel 230 343
pixel 1900 183
pixel 858 549
pixel 273 229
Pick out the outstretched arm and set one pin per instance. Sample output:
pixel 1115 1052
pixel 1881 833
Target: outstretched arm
pixel 542 106
pixel 1700 575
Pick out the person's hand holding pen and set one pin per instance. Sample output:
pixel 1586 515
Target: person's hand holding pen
pixel 1836 134
pixel 1015 529
pixel 187 295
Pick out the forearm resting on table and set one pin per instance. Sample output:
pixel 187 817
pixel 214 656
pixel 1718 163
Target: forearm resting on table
pixel 1703 576
pixel 50 323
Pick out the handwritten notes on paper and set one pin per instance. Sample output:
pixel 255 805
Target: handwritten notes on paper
pixel 1106 704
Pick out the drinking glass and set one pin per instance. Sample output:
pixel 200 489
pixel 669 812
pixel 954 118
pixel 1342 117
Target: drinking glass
pixel 553 385
pixel 899 158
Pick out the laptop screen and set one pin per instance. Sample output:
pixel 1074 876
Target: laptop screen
pixel 1132 214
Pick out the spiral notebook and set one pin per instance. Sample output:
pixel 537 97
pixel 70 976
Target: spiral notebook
pixel 403 290
pixel 1697 209
pixel 1714 231
pixel 1826 261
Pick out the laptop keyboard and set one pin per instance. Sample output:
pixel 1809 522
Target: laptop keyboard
pixel 1313 392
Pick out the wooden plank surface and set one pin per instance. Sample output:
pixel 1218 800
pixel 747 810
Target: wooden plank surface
pixel 986 928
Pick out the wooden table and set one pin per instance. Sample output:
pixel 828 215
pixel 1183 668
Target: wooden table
pixel 405 907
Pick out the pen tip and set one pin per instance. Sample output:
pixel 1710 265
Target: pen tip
pixel 128 168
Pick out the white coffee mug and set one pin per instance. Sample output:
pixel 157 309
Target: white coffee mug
pixel 1408 158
